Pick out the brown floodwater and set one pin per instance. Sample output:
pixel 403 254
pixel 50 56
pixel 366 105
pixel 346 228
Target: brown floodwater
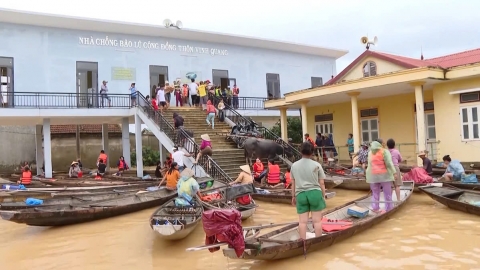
pixel 422 235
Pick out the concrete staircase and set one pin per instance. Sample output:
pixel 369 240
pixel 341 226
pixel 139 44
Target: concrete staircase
pixel 225 152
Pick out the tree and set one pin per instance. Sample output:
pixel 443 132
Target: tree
pixel 294 129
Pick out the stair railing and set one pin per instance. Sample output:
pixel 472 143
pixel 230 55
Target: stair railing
pixel 290 152
pixel 181 138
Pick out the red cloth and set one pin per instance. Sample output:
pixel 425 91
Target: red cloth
pixel 418 175
pixel 224 225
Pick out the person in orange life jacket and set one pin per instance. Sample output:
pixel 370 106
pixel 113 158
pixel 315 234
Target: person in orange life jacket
pixel 380 175
pixel 26 178
pixel 273 174
pixel 102 167
pixel 258 171
pixel 288 180
pixel 122 165
pixel 74 171
pixel 103 157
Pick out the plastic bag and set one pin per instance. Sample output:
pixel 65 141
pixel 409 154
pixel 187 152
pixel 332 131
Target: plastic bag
pixel 33 201
pixel 469 178
pixel 418 175
pixel 224 225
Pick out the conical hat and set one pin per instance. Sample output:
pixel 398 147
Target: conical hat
pixel 246 169
pixel 187 172
pixel 205 137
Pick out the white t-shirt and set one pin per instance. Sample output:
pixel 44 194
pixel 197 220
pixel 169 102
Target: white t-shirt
pixel 178 157
pixel 193 88
pixel 161 95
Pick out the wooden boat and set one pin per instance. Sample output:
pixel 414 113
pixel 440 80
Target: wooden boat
pixel 60 215
pixel 354 183
pixel 220 187
pixel 88 183
pixel 280 196
pixel 455 198
pixel 175 223
pixel 68 199
pixel 284 242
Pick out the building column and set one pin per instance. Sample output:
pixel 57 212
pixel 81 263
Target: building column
pixel 303 109
pixel 39 148
pixel 420 114
pixel 138 145
pixel 47 148
pixel 283 124
pixel 77 141
pixel 105 144
pixel 355 120
pixel 160 149
pixel 126 140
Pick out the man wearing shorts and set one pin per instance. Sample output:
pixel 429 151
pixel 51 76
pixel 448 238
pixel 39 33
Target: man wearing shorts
pixel 308 186
pixel 193 89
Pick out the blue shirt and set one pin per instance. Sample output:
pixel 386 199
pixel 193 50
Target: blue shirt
pixel 350 145
pixel 455 167
pixel 133 90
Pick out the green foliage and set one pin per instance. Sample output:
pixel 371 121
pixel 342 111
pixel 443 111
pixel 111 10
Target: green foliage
pixel 150 157
pixel 294 129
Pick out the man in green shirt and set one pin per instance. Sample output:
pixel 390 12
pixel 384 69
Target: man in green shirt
pixel 308 187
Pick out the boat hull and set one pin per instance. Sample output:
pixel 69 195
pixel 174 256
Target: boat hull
pixel 454 204
pixel 89 182
pixel 355 184
pixel 175 232
pixel 281 198
pixel 247 213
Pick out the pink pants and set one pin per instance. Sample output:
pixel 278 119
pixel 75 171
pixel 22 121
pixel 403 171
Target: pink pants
pixel 387 195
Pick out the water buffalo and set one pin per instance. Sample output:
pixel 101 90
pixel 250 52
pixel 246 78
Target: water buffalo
pixel 258 148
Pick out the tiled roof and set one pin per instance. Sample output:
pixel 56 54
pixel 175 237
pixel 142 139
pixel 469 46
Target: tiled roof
pixel 447 61
pixel 92 129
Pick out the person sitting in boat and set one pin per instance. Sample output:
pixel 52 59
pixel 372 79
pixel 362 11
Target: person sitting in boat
pixel 26 178
pixel 74 171
pixel 454 169
pixel 258 171
pixel 171 176
pixel 158 170
pixel 427 163
pixel 244 177
pixel 122 166
pixel 288 179
pixel 187 188
pixel 103 157
pixel 101 168
pixel 380 174
pixel 274 174
pixel 308 189
pixel 167 163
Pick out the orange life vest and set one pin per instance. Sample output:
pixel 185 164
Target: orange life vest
pixel 103 157
pixel 377 163
pixel 273 174
pixel 26 178
pixel 185 91
pixel 311 141
pixel 121 164
pixel 288 180
pixel 258 169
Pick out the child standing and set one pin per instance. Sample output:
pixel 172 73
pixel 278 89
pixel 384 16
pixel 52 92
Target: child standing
pixel 211 112
pixel 155 107
pixel 185 95
pixel 396 158
pixel 178 98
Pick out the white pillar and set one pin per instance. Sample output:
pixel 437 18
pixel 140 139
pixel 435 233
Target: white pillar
pixel 355 120
pixel 304 118
pixel 138 145
pixel 47 148
pixel 105 143
pixel 420 114
pixel 39 148
pixel 283 124
pixel 160 148
pixel 126 140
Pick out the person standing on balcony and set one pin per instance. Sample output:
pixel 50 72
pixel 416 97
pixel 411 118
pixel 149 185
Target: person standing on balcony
pixel 193 89
pixel 211 112
pixel 235 93
pixel 133 94
pixel 350 145
pixel 202 92
pixel 104 94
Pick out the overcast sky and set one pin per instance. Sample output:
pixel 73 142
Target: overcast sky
pixel 402 26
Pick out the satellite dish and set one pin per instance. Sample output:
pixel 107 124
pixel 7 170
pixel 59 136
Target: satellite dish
pixel 167 23
pixel 179 24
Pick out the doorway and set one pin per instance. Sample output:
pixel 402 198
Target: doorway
pixel 158 76
pixel 220 77
pixel 6 81
pixel 273 86
pixel 87 85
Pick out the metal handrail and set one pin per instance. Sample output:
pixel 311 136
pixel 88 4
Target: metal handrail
pixel 290 152
pixel 64 100
pixel 181 138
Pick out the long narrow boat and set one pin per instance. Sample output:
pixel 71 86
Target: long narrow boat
pixel 60 215
pixel 175 223
pixel 285 242
pixel 354 184
pixel 219 189
pixel 280 195
pixel 88 183
pixel 455 198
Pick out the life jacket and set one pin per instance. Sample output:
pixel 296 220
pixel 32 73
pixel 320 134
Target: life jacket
pixel 121 164
pixel 218 93
pixel 377 163
pixel 311 141
pixel 288 180
pixel 185 91
pixel 26 178
pixel 273 174
pixel 257 169
pixel 103 157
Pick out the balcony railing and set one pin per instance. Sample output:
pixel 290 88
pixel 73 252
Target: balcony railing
pixel 181 138
pixel 35 100
pixel 246 103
